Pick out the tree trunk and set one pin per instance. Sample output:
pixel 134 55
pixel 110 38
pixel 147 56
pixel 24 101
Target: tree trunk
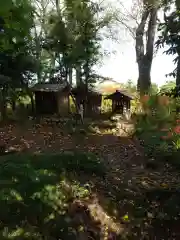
pixel 70 77
pixel 70 83
pixel 144 55
pixel 78 76
pixel 178 82
pixel 4 104
pixel 58 7
pixel 178 72
pixel 87 75
pixel 72 96
pixel 13 105
pixel 37 52
pixel 178 63
pixel 32 103
pixel 144 79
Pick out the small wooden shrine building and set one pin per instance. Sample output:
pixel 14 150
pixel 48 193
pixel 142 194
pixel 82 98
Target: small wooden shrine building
pixel 91 100
pixel 121 100
pixel 55 98
pixel 51 98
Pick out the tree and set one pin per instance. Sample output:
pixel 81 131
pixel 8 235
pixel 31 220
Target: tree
pixel 169 32
pixel 74 39
pixel 46 60
pixel 16 62
pixel 145 51
pixel 141 24
pixel 130 86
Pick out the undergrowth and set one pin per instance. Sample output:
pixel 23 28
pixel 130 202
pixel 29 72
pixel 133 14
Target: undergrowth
pixel 158 128
pixel 36 192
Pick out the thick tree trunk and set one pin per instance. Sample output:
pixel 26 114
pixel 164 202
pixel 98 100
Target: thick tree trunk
pixel 178 82
pixel 78 76
pixel 178 63
pixel 178 72
pixel 144 79
pixel 144 55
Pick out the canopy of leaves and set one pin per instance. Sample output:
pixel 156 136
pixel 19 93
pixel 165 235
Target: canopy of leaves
pixel 74 37
pixel 167 87
pixel 15 57
pixel 170 89
pixel 170 31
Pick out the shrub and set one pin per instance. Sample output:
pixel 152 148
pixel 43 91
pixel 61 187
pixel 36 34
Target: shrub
pixel 158 127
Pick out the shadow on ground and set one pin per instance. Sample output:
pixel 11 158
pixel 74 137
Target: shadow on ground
pixel 147 212
pixel 40 197
pixel 76 195
pixel 73 196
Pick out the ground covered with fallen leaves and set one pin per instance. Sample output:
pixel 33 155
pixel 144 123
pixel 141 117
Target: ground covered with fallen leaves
pixel 116 193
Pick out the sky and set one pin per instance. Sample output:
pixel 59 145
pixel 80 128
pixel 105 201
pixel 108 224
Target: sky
pixel 122 65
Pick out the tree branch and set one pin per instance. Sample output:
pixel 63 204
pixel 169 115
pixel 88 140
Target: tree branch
pixel 151 33
pixel 140 35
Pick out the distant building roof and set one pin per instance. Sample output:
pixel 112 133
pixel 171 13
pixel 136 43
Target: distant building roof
pixel 123 92
pixel 48 87
pixel 57 87
pixel 107 86
pixel 108 81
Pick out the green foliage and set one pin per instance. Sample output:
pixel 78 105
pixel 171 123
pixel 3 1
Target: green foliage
pixel 15 58
pixel 74 37
pixel 167 87
pixel 154 89
pixel 130 86
pixel 37 191
pixel 17 22
pixel 169 33
pixel 106 105
pixel 39 42
pixel 156 129
pixel 17 63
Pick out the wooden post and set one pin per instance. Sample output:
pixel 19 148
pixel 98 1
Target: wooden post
pixel 81 112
